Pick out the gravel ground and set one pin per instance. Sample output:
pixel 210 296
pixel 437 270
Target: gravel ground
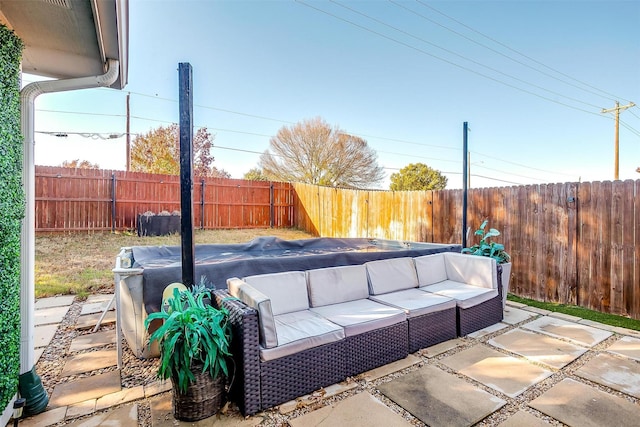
pixel 141 372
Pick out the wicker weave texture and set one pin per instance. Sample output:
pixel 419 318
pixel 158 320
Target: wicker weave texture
pixel 292 376
pixel 245 389
pixel 203 399
pixel 480 316
pixel 431 329
pixel 376 348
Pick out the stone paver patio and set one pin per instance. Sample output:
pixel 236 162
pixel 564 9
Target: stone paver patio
pixel 533 369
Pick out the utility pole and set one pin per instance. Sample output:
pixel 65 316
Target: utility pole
pixel 128 134
pixel 616 149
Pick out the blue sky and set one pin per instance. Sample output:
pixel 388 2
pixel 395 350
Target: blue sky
pixel 530 78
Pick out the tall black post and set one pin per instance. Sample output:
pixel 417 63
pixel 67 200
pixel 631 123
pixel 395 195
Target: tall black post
pixel 465 181
pixel 185 85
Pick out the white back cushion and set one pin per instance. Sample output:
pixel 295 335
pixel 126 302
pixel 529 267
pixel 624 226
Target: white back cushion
pixel 337 284
pixel 258 301
pixel 287 291
pixel 472 270
pixel 431 269
pixel 389 275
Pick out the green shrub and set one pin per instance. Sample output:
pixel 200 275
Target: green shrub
pixel 11 212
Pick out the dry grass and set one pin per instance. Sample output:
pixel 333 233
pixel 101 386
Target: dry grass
pixel 81 264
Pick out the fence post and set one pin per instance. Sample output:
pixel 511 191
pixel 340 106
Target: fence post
pixel 113 202
pixel 271 207
pixel 202 205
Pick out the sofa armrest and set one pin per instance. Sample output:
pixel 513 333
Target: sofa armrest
pixel 472 270
pixel 245 388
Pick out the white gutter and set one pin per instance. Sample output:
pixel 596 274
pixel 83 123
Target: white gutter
pixel 28 96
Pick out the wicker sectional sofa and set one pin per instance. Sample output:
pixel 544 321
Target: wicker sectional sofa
pixel 298 331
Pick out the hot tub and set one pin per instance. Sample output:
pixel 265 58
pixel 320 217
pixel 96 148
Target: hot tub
pixel 142 272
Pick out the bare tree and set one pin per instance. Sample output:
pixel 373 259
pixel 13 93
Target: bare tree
pixel 313 152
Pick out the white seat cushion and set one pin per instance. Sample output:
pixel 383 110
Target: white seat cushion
pixel 465 295
pixel 390 275
pixel 360 316
pixel 415 302
pixel 300 331
pixel 287 291
pixel 337 284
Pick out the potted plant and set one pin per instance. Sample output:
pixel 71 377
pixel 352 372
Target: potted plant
pixel 492 250
pixel 194 349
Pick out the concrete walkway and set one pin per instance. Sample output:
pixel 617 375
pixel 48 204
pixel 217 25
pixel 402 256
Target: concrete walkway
pixel 534 369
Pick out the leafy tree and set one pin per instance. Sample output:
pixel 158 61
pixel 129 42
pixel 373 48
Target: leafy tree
pixel 158 151
pixel 313 152
pixel 79 164
pixel 418 176
pixel 255 174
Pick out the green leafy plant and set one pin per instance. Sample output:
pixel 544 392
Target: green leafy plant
pixel 11 212
pixel 193 333
pixel 485 247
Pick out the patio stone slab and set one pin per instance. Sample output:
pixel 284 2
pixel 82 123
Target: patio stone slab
pixel 360 410
pixel 422 393
pixel 157 387
pixel 390 368
pixel 125 416
pixel 44 419
pixel 49 315
pixel 522 419
pixel 565 316
pixel 313 398
pixel 537 310
pixel 96 307
pixel 487 331
pixel 90 320
pixel 98 298
pixel 96 339
pixel 119 397
pixel 514 304
pixel 538 348
pixel 514 315
pixel 576 332
pixel 54 301
pixel 37 353
pixel 85 388
pixel 42 335
pixel 87 362
pixel 81 409
pixel 503 373
pixel 619 373
pixel 162 416
pixel 580 405
pixel 626 346
pixel 443 347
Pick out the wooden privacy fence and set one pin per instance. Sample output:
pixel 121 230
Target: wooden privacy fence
pixel 70 199
pixel 573 243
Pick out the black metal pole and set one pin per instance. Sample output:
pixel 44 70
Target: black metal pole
pixel 465 180
pixel 185 76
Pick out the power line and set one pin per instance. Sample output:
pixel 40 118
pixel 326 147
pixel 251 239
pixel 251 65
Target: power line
pixel 462 56
pixel 521 165
pixel 609 95
pixel 446 60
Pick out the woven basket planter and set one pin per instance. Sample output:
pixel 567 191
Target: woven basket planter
pixel 203 399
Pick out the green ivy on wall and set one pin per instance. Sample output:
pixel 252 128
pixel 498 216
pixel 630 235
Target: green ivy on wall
pixel 11 213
